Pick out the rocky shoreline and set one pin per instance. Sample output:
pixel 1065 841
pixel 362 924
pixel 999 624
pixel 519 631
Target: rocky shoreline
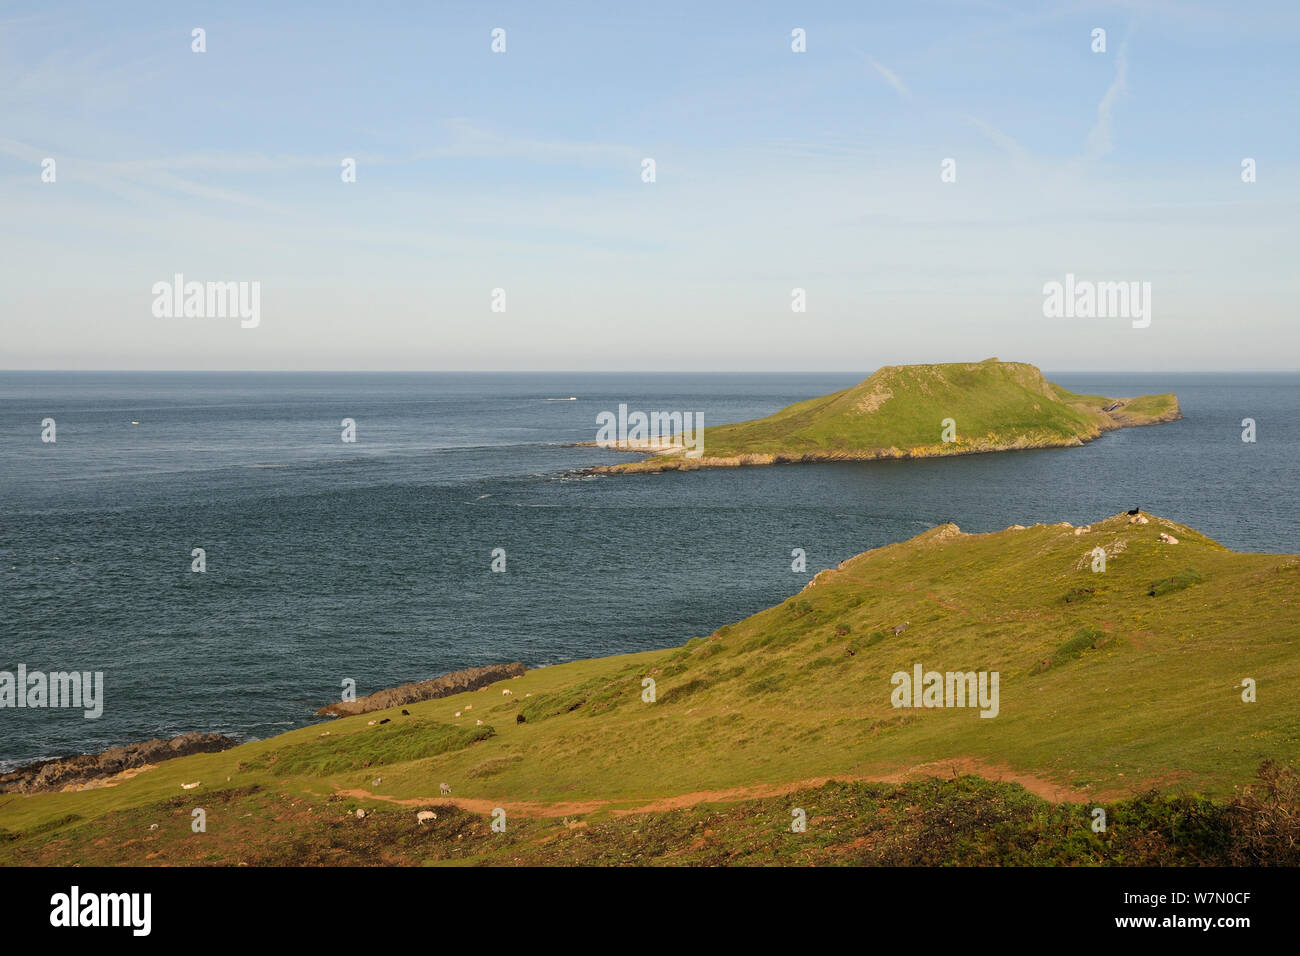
pixel 72 772
pixel 64 773
pixel 662 460
pixel 472 678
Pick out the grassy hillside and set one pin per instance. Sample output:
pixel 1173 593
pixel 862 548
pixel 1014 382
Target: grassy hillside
pixel 1111 684
pixel 899 412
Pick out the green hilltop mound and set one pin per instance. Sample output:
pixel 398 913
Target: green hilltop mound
pixel 901 411
pixel 1127 688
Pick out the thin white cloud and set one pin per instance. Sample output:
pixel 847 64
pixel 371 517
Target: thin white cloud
pixel 1008 145
pixel 890 76
pixel 1099 137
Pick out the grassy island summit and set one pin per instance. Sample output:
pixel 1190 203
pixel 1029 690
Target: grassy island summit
pixel 1155 689
pixel 912 411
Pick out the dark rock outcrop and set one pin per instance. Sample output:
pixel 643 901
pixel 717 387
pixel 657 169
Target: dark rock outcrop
pixel 71 771
pixel 456 682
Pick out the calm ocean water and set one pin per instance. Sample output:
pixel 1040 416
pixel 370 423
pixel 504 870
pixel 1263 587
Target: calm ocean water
pixel 371 560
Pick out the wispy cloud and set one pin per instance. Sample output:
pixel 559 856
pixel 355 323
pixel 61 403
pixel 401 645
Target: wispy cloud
pixel 1099 137
pixel 994 135
pixel 889 76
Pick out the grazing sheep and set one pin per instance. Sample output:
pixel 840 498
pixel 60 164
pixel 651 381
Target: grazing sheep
pixel 1138 519
pixel 469 706
pixel 424 816
pixel 444 788
pixel 1168 538
pixel 406 713
pixel 153 826
pixel 190 786
pixel 528 695
pixel 507 693
pixel 478 723
pixel 371 723
pixel 899 629
pixel 377 781
pixel 458 713
pixel 386 720
pixel 361 814
pixel 1135 511
pixel 519 719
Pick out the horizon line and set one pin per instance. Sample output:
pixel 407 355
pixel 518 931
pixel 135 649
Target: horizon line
pixel 626 371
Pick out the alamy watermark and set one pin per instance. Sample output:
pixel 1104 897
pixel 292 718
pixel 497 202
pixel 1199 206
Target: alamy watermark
pixel 657 431
pixel 1085 299
pixel 82 690
pixel 923 688
pixel 130 910
pixel 208 300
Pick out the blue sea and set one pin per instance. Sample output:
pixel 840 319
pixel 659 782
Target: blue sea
pixel 328 560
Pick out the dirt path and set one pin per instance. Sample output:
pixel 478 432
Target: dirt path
pixel 953 767
pixel 485 806
pixel 999 773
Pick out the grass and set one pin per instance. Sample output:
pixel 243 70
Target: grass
pixel 1141 692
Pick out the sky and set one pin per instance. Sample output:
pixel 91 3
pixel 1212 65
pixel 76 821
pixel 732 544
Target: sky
pixel 523 171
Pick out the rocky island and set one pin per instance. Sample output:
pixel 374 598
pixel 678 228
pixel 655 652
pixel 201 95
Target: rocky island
pixel 912 411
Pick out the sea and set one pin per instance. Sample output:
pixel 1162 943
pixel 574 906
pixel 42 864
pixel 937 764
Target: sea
pixel 328 561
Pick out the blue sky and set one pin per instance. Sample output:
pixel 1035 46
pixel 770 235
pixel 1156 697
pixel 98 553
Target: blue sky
pixel 775 170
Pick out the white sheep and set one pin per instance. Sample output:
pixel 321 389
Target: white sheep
pixel 478 723
pixel 444 788
pixel 507 693
pixel 190 786
pixel 424 816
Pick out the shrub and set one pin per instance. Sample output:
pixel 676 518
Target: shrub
pixel 1182 580
pixel 1266 819
pixel 1085 639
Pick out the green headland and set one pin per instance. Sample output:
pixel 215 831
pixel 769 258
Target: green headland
pixel 1158 689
